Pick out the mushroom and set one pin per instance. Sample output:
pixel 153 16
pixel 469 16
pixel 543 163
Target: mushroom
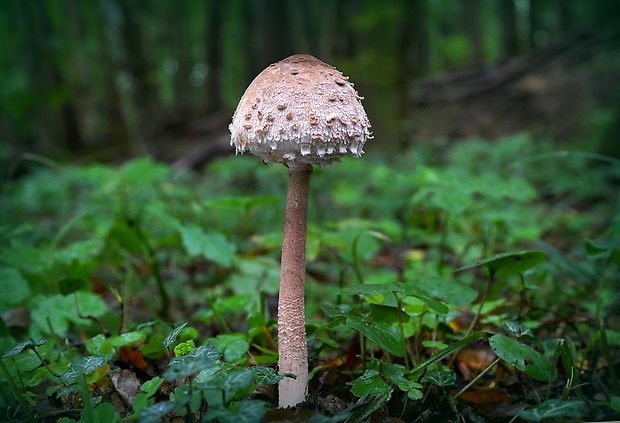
pixel 299 112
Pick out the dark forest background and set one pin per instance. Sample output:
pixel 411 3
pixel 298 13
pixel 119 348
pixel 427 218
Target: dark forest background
pixel 111 79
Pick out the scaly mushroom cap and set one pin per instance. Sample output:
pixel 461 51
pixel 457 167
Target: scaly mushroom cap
pixel 300 111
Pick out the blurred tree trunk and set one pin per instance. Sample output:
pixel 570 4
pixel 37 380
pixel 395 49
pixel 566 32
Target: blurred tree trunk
pixel 179 41
pixel 36 31
pixel 509 37
pixel 123 111
pixel 213 42
pixel 474 29
pixel 536 22
pixel 414 54
pixel 272 35
pixel 345 44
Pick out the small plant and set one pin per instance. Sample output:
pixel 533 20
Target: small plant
pixel 430 289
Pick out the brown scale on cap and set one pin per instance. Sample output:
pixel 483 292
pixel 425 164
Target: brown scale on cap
pixel 315 114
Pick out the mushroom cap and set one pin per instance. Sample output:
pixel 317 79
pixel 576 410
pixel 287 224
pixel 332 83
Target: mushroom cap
pixel 300 111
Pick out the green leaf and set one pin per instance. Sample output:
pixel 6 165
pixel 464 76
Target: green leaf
pixel 155 413
pixel 82 366
pixel 247 411
pixel 143 171
pixel 266 375
pixel 151 386
pixel 70 285
pixel 24 346
pixel 213 246
pixel 240 202
pixel 615 403
pixel 453 292
pixel 236 381
pixel 204 357
pixel 26 258
pixel 395 373
pixel 508 264
pixel 517 329
pixel 411 290
pixel 440 377
pixel 105 412
pixel 369 383
pixel 384 314
pixel 384 336
pixel 553 408
pixel 126 339
pixel 80 251
pixel 15 288
pixel 404 288
pixel 52 314
pixel 170 339
pixel 233 347
pixel 523 357
pixel 603 249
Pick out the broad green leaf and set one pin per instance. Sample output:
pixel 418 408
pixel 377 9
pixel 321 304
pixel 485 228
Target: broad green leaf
pixel 613 337
pixel 403 288
pixel 203 357
pixel 25 257
pixel 81 251
pixel 615 403
pixel 385 314
pixel 213 246
pixel 255 275
pixel 20 366
pixel 384 336
pixel 232 303
pixel 70 285
pixel 508 264
pixel 126 339
pixel 52 314
pixel 247 411
pixel 553 408
pixel 24 346
pixel 105 412
pixel 440 377
pixel 523 357
pixel 369 383
pixel 233 347
pixel 453 292
pixel 395 373
pixel 15 288
pixel 155 413
pixel 421 294
pixel 236 382
pixel 82 366
pixel 266 375
pixel 151 386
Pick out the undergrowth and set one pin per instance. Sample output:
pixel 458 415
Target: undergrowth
pixel 477 284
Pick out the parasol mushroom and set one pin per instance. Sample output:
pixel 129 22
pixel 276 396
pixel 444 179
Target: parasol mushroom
pixel 299 112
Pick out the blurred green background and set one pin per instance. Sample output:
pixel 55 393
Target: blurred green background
pixel 113 79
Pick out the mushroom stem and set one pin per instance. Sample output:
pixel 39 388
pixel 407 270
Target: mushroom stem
pixel 292 349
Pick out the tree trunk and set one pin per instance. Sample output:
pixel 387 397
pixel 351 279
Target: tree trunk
pixel 475 31
pixel 510 40
pixel 215 16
